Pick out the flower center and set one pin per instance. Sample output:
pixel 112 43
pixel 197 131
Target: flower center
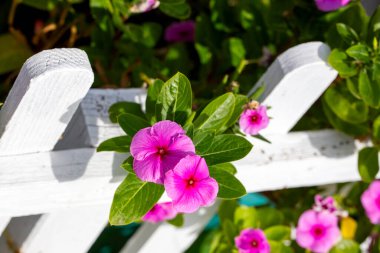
pixel 377 202
pixel 190 182
pixel 318 231
pixel 255 243
pixel 255 118
pixel 161 151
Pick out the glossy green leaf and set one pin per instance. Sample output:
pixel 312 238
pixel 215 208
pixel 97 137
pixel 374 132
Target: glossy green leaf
pixel 175 100
pixel 229 186
pixel 226 148
pixel 278 233
pixel 346 246
pixel 376 128
pixel 131 124
pixel 240 101
pixel 347 33
pixel 368 163
pixel 124 107
pixel 152 95
pixel 177 221
pixel 339 60
pixel 130 201
pixel 202 140
pixel 117 144
pixel 217 113
pixel 128 165
pixel 369 91
pixel 180 10
pixel 360 52
pixel 13 53
pixel 227 167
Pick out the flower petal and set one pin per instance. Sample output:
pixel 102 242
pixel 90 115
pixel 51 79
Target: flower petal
pixel 149 169
pixel 143 144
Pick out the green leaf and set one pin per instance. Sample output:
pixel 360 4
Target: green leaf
pixel 235 50
pixel 226 148
pixel 229 231
pixel 240 101
pixel 278 233
pixel 268 217
pixel 376 128
pixel 347 33
pixel 202 140
pixel 124 107
pixel 152 95
pixel 352 111
pixel 45 5
pixel 133 199
pixel 368 163
pixel 346 246
pixel 100 4
pixel 177 221
pixel 360 52
pixel 131 124
pixel 227 209
pixel 13 53
pixel 175 100
pixel 339 61
pixel 128 165
pixel 227 167
pixel 353 86
pixel 245 217
pixel 180 10
pixel 279 247
pixel 217 113
pixel 368 90
pixel 146 34
pixel 374 24
pixel 229 186
pixel 118 144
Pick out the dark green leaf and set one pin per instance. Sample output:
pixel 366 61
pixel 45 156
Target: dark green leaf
pixel 346 246
pixel 133 199
pixel 131 124
pixel 360 52
pixel 353 86
pixel 175 100
pixel 229 231
pixel 347 33
pixel 180 10
pixel 374 24
pixel 177 221
pixel 368 163
pixel 151 99
pixel 240 101
pixel 202 140
pixel 339 61
pixel 46 5
pixel 376 128
pixel 229 186
pixel 124 107
pixel 128 165
pixel 117 144
pixel 235 51
pixel 13 53
pixel 226 148
pixel 368 90
pixel 278 233
pixel 217 113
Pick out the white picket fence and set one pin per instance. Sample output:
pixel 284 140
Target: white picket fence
pixel 55 190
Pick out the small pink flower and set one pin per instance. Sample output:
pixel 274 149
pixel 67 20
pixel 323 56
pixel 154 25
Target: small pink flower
pixel 180 32
pixel 317 231
pixel 158 149
pixel 252 241
pixel 189 184
pixel 371 202
pixel 330 5
pixel 328 204
pixel 144 6
pixel 253 120
pixel 160 212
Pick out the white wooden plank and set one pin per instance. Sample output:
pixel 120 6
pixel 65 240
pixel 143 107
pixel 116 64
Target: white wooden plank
pixel 43 99
pixel 294 81
pixel 3 223
pixel 73 231
pixel 174 239
pixel 292 160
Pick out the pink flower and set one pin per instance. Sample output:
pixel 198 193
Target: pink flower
pixel 180 32
pixel 253 120
pixel 158 149
pixel 144 6
pixel 252 241
pixel 160 212
pixel 189 184
pixel 317 231
pixel 371 202
pixel 328 204
pixel 330 5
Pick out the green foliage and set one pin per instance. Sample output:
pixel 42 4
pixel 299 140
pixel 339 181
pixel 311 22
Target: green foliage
pixel 368 163
pixel 346 246
pixel 117 144
pixel 229 186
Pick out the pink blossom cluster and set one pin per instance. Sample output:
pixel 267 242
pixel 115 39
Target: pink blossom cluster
pixel 164 154
pixel 371 202
pixel 318 229
pixel 144 6
pixel 330 5
pixel 254 118
pixel 252 241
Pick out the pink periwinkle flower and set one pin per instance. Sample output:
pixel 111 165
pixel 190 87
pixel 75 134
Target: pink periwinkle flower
pixel 328 204
pixel 252 241
pixel 180 31
pixel 330 5
pixel 189 184
pixel 317 231
pixel 254 120
pixel 158 149
pixel 144 6
pixel 371 202
pixel 160 212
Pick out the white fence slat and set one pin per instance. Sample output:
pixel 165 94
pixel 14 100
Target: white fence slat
pixel 173 239
pixel 43 99
pixel 3 223
pixel 71 231
pixel 294 81
pixel 37 189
